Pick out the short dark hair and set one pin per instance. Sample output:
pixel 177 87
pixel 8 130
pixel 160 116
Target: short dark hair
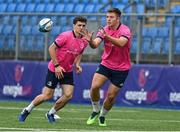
pixel 115 10
pixel 79 18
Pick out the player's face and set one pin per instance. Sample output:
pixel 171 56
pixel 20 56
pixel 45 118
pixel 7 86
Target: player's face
pixel 112 19
pixel 79 26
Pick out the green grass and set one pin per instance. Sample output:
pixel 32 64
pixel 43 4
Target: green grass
pixel 73 118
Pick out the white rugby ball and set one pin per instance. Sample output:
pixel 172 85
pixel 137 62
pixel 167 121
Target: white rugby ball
pixel 45 25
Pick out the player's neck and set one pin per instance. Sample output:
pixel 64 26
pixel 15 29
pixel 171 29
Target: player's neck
pixel 77 35
pixel 115 27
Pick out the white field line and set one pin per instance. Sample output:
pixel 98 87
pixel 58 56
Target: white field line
pixel 69 109
pixel 77 110
pixel 45 129
pixel 125 120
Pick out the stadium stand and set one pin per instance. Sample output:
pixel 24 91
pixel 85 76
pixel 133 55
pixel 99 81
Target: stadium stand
pixel 155 38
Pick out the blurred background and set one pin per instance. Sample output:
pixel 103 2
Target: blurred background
pixel 155 25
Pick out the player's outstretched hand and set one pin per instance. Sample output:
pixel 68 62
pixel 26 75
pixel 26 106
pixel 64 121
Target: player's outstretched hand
pixel 88 35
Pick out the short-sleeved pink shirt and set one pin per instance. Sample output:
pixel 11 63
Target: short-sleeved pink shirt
pixel 115 57
pixel 69 47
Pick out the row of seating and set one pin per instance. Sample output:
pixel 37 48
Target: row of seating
pixel 36 43
pixel 63 7
pixel 155 46
pixel 162 32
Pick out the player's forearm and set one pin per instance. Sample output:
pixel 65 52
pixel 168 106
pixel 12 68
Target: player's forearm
pixel 94 43
pixel 52 52
pixel 78 60
pixel 116 41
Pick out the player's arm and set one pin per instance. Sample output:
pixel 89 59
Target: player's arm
pixel 77 64
pixel 117 41
pixel 58 69
pixel 94 43
pixel 52 52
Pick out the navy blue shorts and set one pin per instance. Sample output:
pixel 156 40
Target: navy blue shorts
pixel 52 80
pixel 116 77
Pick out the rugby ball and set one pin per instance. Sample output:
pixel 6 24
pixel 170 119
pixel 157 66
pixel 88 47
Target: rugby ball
pixel 45 25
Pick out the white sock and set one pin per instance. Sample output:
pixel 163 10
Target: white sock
pixel 103 112
pixel 52 111
pixel 96 106
pixel 30 107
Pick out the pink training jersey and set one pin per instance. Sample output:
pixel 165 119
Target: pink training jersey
pixel 69 47
pixel 115 57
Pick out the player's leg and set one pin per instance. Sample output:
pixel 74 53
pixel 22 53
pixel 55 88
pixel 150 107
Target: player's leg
pixel 61 102
pixel 108 103
pixel 97 83
pixel 67 84
pixel 47 93
pixel 117 79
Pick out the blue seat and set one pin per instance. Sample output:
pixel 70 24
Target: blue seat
pixel 35 30
pixel 79 8
pixel 89 8
pixel 1 28
pixel 33 20
pixel 97 7
pixel 7 29
pixel 119 6
pixel 39 43
pixel 11 7
pixel 2 41
pixel 26 30
pixel 40 8
pixel 6 19
pixel 140 8
pixel 63 20
pixel 29 43
pixel 163 32
pixel 146 45
pixel 49 8
pixel 21 7
pixel 177 32
pixel 157 43
pixel 56 30
pixel 11 43
pixel 165 46
pixel 66 28
pixel 59 8
pixel 24 20
pixel 3 7
pixel 69 8
pixel 133 45
pixel 30 7
pixel 177 46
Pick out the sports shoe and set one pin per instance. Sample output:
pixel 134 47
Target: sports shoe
pixel 102 121
pixel 50 118
pixel 23 115
pixel 92 118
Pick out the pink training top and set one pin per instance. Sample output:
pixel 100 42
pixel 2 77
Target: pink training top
pixel 115 57
pixel 69 47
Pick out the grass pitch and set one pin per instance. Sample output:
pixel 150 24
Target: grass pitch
pixel 73 118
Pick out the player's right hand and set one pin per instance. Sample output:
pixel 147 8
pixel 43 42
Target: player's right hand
pixel 59 72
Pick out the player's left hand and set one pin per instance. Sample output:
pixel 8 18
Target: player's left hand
pixel 78 69
pixel 88 35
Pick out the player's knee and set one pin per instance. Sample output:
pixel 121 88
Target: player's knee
pixel 47 97
pixel 110 97
pixel 68 96
pixel 95 87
